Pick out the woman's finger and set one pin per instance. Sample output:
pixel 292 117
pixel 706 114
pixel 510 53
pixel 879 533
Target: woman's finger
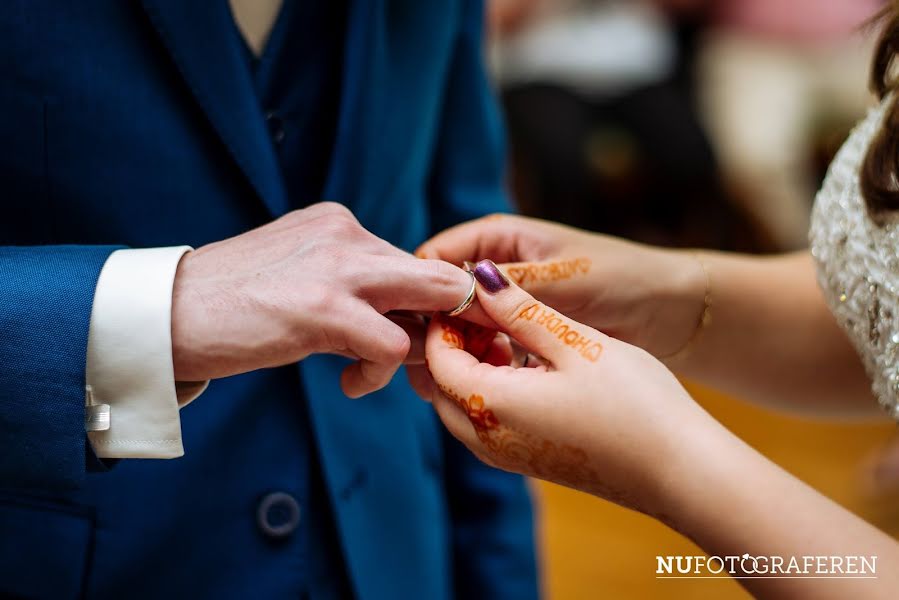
pixel 545 277
pixel 500 352
pixel 538 327
pixel 496 236
pixel 459 374
pixel 469 389
pixel 451 411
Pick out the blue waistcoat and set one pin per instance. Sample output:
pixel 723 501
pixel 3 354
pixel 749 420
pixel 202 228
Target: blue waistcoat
pixel 137 123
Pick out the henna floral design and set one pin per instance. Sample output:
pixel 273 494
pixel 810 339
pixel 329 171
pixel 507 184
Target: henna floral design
pixel 513 450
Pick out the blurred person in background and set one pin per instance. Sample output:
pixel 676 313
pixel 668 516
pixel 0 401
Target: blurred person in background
pixel 596 407
pixel 721 100
pixel 597 94
pixel 775 79
pixel 603 126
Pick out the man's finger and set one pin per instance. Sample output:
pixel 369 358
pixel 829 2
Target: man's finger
pixel 408 283
pixel 381 344
pixel 415 327
pixel 427 286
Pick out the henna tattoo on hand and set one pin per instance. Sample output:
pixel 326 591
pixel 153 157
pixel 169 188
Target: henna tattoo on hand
pixel 474 339
pixel 481 417
pixel 507 448
pixel 452 335
pixel 548 272
pixel 589 349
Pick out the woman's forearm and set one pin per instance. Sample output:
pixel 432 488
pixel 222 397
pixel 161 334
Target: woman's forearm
pixel 732 501
pixel 771 339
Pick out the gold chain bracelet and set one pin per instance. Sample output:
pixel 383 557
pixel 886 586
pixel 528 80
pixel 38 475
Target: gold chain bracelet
pixel 704 317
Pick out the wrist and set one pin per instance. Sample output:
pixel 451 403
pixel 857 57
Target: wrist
pixel 678 303
pixel 183 304
pixel 700 476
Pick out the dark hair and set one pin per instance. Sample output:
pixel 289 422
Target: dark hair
pixel 880 171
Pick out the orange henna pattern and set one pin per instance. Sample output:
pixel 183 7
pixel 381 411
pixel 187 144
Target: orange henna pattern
pixel 589 349
pixel 553 271
pixel 513 450
pixel 472 338
pixel 482 418
pixel 453 336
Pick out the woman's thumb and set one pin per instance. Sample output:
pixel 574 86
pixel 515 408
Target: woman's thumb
pixel 535 325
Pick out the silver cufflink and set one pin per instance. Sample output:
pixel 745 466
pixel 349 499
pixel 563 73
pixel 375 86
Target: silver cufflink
pixel 96 416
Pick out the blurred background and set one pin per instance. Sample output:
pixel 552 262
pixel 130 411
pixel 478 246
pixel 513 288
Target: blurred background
pixel 696 123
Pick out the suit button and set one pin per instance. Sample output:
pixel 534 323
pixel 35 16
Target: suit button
pixel 278 515
pixel 275 126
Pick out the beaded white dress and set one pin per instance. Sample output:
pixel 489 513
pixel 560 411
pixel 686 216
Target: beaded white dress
pixel 858 263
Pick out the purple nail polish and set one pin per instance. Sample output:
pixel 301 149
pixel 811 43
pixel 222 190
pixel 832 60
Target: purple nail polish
pixel 490 278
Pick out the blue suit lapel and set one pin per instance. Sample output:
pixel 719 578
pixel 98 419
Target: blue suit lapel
pixel 361 100
pixel 370 456
pixel 196 34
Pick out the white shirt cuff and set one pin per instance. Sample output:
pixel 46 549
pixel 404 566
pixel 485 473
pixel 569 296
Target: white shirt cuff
pixel 129 356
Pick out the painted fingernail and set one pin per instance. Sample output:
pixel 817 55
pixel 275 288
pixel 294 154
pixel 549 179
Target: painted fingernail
pixel 490 278
pixel 469 266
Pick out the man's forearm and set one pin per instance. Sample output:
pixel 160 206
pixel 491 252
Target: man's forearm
pixel 771 338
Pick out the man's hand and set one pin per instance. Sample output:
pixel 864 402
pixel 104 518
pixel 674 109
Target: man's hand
pixel 314 281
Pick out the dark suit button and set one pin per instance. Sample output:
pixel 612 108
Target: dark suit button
pixel 275 126
pixel 278 515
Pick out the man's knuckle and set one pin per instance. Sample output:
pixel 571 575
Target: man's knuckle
pixel 333 208
pixel 320 299
pixel 397 346
pixel 442 273
pixel 345 227
pixel 294 218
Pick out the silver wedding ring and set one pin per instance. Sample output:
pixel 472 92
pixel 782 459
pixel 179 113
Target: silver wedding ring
pixel 466 304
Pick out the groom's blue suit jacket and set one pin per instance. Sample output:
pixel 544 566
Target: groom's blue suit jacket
pixel 125 123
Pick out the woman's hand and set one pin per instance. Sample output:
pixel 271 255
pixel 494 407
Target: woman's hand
pixel 767 337
pixel 598 417
pixel 607 418
pixel 646 296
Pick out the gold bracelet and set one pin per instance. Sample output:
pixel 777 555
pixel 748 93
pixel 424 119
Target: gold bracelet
pixel 704 317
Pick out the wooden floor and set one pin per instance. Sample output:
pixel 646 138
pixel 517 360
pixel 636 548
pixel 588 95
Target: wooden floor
pixel 593 549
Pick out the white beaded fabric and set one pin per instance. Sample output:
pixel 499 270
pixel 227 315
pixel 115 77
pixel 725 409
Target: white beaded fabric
pixel 858 263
